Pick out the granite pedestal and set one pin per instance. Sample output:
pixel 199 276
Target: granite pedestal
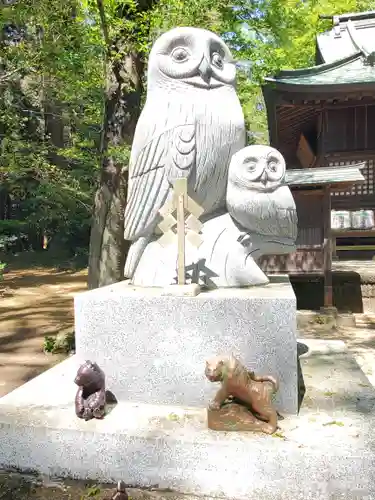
pixel 152 347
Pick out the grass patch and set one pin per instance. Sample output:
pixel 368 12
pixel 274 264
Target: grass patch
pixel 62 343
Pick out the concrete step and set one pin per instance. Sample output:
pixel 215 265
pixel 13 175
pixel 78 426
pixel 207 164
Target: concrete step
pixel 324 320
pixel 171 447
pixel 365 320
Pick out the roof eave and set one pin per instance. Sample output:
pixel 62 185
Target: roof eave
pixel 356 16
pixel 318 185
pixel 308 176
pixel 285 80
pixel 321 87
pixel 316 70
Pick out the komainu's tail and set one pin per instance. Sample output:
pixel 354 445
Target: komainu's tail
pixel 266 378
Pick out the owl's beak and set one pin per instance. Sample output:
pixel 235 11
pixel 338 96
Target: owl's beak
pixel 205 70
pixel 263 178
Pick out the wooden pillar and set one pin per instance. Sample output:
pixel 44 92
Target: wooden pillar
pixel 327 247
pixel 334 246
pixel 180 191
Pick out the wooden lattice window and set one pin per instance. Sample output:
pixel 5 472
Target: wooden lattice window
pixel 349 129
pixel 363 189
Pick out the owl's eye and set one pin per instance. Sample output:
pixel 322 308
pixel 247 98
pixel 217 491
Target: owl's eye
pixel 217 60
pixel 179 54
pixel 250 163
pixel 272 166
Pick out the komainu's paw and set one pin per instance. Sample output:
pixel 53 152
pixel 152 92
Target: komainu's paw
pixel 268 428
pixel 98 412
pixel 80 410
pixel 87 414
pixel 214 406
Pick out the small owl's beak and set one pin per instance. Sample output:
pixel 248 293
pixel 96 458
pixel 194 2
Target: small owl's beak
pixel 205 70
pixel 263 178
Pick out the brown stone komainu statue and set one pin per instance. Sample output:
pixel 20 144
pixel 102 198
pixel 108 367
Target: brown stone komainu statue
pixel 90 401
pixel 243 402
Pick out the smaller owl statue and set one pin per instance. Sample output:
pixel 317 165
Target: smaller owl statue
pixel 258 198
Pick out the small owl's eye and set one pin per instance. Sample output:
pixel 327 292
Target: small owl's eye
pixel 272 166
pixel 179 54
pixel 217 60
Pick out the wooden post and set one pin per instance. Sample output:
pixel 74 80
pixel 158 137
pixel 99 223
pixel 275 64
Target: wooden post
pixel 334 247
pixel 180 191
pixel 327 248
pixel 184 225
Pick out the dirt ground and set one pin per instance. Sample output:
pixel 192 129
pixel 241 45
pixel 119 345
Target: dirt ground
pixel 14 486
pixel 34 302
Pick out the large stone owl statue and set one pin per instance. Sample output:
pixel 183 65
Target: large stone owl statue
pixel 191 125
pixel 257 197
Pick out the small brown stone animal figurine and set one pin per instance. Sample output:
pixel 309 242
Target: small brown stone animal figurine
pixel 253 391
pixel 120 493
pixel 90 399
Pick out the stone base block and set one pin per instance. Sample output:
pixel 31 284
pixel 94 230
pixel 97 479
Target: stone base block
pixel 325 452
pixel 235 417
pixel 190 290
pixel 153 347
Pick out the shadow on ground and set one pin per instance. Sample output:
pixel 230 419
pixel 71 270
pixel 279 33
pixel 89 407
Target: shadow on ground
pixel 38 302
pixel 347 292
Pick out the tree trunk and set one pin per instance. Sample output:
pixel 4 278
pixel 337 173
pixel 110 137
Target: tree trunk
pixel 122 107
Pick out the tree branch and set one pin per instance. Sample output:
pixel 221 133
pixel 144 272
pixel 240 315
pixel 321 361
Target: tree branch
pixel 103 22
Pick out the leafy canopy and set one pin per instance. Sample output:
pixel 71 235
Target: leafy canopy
pixel 55 58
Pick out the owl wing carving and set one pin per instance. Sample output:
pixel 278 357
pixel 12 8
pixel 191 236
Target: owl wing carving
pixel 269 214
pixel 277 214
pixel 153 168
pixel 286 223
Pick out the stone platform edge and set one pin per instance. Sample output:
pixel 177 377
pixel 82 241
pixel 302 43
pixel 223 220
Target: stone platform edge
pixel 170 447
pixel 279 284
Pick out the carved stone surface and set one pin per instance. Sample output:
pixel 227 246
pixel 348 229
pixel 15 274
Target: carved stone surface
pixel 90 400
pixel 234 417
pixel 257 197
pixel 227 257
pixel 254 392
pixel 190 126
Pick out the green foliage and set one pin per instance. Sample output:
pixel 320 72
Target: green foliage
pixel 55 80
pixel 51 112
pixel 49 344
pixel 334 422
pixel 64 343
pixel 91 492
pixel 2 267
